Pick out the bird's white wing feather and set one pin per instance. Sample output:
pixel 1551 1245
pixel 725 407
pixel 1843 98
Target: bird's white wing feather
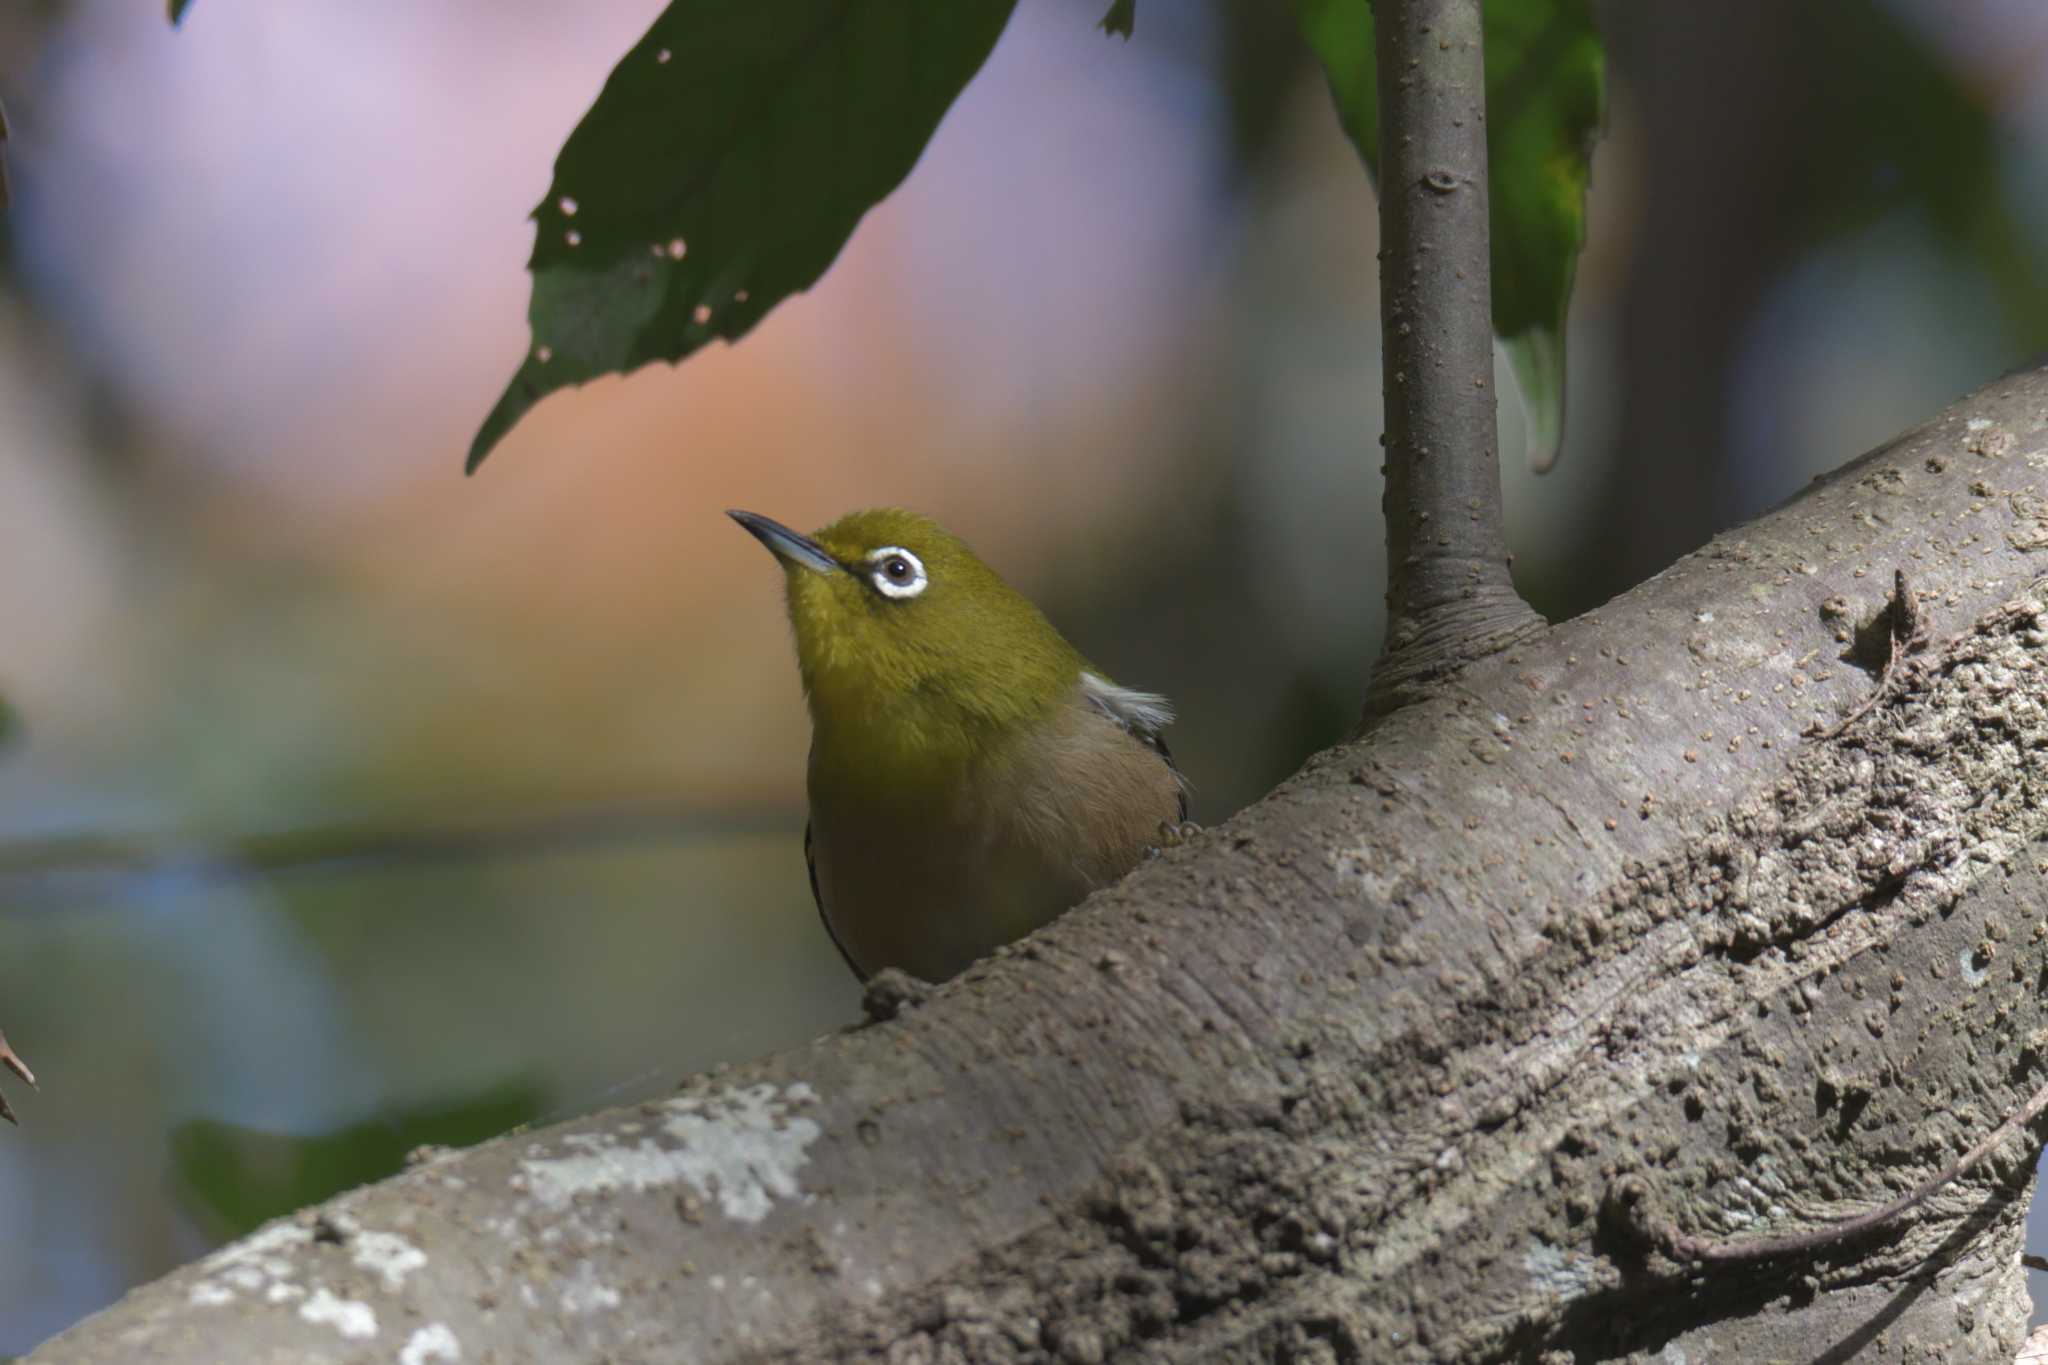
pixel 1144 714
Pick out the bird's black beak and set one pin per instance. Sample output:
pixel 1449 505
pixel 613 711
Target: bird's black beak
pixel 787 545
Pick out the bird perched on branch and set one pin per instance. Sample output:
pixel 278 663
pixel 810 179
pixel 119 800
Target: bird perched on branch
pixel 971 775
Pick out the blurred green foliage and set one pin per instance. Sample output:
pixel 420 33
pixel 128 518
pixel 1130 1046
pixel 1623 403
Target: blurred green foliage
pixel 1904 128
pixel 239 1178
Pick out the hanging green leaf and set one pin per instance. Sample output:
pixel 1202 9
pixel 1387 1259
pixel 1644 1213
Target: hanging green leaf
pixel 240 1178
pixel 1545 95
pixel 177 10
pixel 1122 18
pixel 725 163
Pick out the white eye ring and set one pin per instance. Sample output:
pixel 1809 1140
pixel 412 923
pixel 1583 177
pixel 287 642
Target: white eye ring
pixel 897 572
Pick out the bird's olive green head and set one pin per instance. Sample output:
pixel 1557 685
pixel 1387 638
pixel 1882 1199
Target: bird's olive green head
pixel 900 628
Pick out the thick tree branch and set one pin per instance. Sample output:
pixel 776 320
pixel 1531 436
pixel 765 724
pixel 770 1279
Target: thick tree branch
pixel 1360 1074
pixel 1449 595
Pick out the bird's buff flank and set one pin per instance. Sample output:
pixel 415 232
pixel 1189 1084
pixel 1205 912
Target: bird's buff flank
pixel 971 775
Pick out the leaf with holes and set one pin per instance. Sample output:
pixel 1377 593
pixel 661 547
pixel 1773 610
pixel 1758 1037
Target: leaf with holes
pixel 1545 97
pixel 725 163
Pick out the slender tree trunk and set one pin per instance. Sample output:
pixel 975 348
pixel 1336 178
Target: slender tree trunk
pixel 1435 1054
pixel 1449 596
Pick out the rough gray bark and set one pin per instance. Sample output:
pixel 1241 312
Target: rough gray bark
pixel 1398 1064
pixel 1449 596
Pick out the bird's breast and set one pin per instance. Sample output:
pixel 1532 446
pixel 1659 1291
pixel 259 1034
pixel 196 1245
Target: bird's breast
pixel 929 875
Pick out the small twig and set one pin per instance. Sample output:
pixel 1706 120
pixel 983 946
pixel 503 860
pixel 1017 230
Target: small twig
pixel 1907 633
pixel 12 1061
pixel 352 846
pixel 2033 1262
pixel 1684 1247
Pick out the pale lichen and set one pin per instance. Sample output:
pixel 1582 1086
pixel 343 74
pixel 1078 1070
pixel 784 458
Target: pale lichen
pixel 351 1317
pixel 743 1148
pixel 435 1341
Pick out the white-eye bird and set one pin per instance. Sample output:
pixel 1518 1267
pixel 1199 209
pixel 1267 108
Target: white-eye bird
pixel 971 776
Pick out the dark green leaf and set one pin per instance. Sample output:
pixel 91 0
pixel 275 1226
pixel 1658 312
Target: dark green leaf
pixel 9 724
pixel 242 1177
pixel 1340 33
pixel 177 11
pixel 1122 18
pixel 721 169
pixel 1545 92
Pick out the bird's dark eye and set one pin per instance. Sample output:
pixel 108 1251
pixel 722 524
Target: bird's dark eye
pixel 897 572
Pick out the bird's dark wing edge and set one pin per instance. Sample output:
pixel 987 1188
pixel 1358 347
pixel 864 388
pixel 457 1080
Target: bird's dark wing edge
pixel 1158 742
pixel 817 896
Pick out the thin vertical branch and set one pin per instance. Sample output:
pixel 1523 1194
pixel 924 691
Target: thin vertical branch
pixel 1449 595
pixel 5 194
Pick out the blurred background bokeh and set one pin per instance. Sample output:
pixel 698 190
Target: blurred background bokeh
pixel 358 804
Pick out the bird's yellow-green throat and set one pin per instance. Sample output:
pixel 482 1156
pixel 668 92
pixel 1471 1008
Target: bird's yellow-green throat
pixel 916 661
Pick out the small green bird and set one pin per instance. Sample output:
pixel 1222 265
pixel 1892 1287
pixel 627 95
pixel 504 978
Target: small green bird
pixel 971 776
